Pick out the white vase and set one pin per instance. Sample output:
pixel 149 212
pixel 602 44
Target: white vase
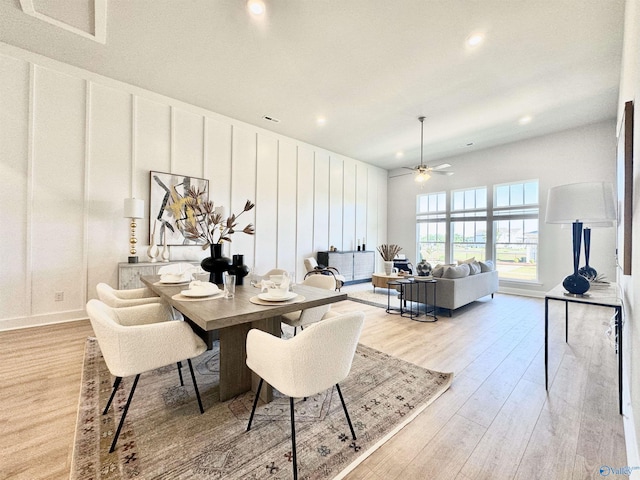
pixel 388 267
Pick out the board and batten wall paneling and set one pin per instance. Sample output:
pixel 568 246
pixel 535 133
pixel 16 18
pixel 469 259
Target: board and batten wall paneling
pixel 349 206
pixel 217 160
pixel 152 152
pixel 304 207
pixel 362 182
pixel 57 241
pixel 287 171
pixel 266 200
pixel 187 143
pixel 321 202
pixel 109 167
pixel 376 211
pixel 243 188
pixel 75 144
pixel 15 284
pixel 336 206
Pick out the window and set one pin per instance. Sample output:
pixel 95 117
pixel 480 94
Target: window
pixel 516 230
pixel 469 223
pixel 503 227
pixel 432 227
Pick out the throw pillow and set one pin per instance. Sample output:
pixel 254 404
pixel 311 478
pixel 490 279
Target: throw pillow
pixel 468 260
pixel 459 271
pixel 438 271
pixel 486 266
pixel 474 268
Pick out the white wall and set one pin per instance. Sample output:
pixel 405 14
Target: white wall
pixel 630 90
pixel 577 155
pixel 75 144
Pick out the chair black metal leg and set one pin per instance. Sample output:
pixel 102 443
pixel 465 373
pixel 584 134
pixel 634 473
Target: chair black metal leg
pixel 116 384
pixel 195 386
pixel 293 440
pixel 353 433
pixel 180 373
pixel 124 414
pixel 255 404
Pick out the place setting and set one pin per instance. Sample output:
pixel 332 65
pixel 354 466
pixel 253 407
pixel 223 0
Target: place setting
pixel 276 291
pixel 178 274
pixel 199 290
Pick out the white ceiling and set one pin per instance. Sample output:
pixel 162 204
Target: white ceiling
pixel 371 67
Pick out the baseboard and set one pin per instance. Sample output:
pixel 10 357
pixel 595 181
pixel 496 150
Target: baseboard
pixel 40 320
pixel 521 291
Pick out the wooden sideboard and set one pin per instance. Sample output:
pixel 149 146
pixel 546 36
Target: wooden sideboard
pixel 355 266
pixel 129 273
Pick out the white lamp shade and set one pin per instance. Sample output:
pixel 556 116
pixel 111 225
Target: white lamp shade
pixel 590 202
pixel 133 208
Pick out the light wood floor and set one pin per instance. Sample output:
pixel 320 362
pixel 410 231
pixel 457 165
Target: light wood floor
pixel 495 422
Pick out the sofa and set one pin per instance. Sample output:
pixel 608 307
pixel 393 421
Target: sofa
pixel 455 288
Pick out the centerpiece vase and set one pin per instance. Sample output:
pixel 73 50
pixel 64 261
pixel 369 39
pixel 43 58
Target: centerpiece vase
pixel 216 264
pixel 239 269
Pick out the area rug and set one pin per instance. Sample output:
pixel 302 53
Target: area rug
pixel 377 299
pixel 165 436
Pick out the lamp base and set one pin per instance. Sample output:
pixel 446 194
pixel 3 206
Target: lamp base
pixel 576 284
pixel 133 259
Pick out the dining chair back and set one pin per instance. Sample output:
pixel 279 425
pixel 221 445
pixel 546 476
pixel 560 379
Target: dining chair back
pixel 305 317
pixel 309 363
pixel 138 339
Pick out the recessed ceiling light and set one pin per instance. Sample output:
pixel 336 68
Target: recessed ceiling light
pixel 256 7
pixel 321 120
pixel 524 120
pixel 475 39
pixel 399 154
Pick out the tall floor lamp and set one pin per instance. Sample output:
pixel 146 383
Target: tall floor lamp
pixel 592 203
pixel 133 209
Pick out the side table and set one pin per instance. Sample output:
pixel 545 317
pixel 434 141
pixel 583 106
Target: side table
pixel 422 292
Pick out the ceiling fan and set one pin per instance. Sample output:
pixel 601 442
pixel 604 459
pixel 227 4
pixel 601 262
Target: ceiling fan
pixel 423 172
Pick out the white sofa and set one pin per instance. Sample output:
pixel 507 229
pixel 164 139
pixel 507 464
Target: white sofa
pixel 457 292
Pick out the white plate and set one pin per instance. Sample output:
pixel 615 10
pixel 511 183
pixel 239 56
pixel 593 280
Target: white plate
pixel 267 297
pixel 199 293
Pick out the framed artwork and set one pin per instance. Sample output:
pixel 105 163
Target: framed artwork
pixel 625 187
pixel 166 193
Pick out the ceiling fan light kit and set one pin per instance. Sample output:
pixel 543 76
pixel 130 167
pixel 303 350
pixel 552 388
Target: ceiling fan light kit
pixel 423 172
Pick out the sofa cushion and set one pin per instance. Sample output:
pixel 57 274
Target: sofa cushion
pixel 474 268
pixel 487 266
pixel 459 271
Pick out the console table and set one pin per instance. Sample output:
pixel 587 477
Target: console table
pixel 355 266
pixel 604 297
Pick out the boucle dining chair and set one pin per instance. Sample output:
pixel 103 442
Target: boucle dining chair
pixel 138 339
pixel 315 314
pixel 309 363
pixel 130 298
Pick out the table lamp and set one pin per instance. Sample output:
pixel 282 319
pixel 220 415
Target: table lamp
pixel 592 203
pixel 133 209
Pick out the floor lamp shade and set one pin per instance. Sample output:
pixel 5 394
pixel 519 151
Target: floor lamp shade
pixel 133 209
pixel 591 203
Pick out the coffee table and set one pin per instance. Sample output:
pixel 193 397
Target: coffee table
pixel 381 280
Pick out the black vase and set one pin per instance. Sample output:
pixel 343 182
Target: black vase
pixel 216 264
pixel 239 269
pixel 576 283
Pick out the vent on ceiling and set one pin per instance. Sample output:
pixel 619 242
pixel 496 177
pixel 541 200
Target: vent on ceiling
pixel 270 119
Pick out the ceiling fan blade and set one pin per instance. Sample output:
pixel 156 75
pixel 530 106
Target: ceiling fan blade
pixel 438 172
pixel 401 175
pixel 410 168
pixel 441 166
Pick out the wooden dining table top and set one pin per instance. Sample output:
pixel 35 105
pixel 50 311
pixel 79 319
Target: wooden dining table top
pixel 220 312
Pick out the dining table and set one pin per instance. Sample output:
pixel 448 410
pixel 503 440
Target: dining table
pixel 228 320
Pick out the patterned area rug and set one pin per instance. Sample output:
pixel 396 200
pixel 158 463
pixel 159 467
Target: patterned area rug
pixel 165 437
pixel 377 298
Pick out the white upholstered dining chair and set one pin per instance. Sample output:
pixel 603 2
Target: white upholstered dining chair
pixel 137 339
pixel 315 314
pixel 313 361
pixel 130 298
